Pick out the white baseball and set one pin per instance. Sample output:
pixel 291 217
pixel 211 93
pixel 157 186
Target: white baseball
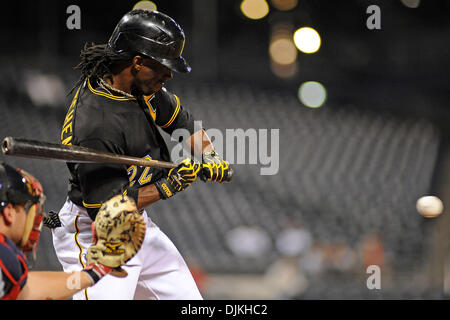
pixel 429 206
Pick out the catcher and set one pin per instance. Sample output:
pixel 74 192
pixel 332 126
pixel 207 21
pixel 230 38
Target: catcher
pixel 118 232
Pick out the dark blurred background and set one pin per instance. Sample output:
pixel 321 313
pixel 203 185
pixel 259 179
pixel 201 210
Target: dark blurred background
pixel 350 169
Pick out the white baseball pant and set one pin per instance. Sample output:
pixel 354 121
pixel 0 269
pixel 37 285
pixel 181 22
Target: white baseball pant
pixel 156 272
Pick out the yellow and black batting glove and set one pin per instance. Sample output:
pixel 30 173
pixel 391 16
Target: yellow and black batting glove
pixel 179 178
pixel 214 168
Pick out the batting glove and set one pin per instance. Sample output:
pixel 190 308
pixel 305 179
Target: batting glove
pixel 214 168
pixel 178 178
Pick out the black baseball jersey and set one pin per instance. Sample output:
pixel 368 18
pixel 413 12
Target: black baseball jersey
pixel 105 121
pixel 13 269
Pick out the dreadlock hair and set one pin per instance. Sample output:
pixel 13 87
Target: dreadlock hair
pixel 96 60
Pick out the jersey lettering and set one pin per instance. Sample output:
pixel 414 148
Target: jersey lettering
pixel 67 130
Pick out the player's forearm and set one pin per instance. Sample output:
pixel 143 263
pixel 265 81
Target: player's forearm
pixel 54 285
pixel 199 143
pixel 147 195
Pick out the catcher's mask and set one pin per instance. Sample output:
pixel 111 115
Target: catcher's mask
pixel 153 34
pixel 20 187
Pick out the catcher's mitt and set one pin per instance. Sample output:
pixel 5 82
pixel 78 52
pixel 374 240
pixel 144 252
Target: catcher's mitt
pixel 119 231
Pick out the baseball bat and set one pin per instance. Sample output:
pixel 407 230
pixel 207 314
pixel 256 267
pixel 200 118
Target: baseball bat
pixel 52 151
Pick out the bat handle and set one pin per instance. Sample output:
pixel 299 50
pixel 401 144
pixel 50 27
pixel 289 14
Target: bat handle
pixel 6 145
pixel 229 176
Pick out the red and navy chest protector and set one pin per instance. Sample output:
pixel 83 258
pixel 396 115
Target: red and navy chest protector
pixel 13 269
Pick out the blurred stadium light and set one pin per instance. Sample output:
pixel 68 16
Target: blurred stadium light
pixel 312 94
pixel 411 3
pixel 145 5
pixel 307 40
pixel 284 5
pixel 255 9
pixel 282 51
pixel 284 70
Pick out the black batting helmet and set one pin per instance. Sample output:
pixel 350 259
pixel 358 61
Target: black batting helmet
pixel 14 187
pixel 153 34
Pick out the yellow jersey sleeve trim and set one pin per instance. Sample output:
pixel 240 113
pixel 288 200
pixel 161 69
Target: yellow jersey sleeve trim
pixel 98 205
pixel 92 205
pixel 107 95
pixel 150 109
pixel 175 114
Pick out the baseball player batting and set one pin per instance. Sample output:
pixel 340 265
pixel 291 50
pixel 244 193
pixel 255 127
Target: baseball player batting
pixel 119 101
